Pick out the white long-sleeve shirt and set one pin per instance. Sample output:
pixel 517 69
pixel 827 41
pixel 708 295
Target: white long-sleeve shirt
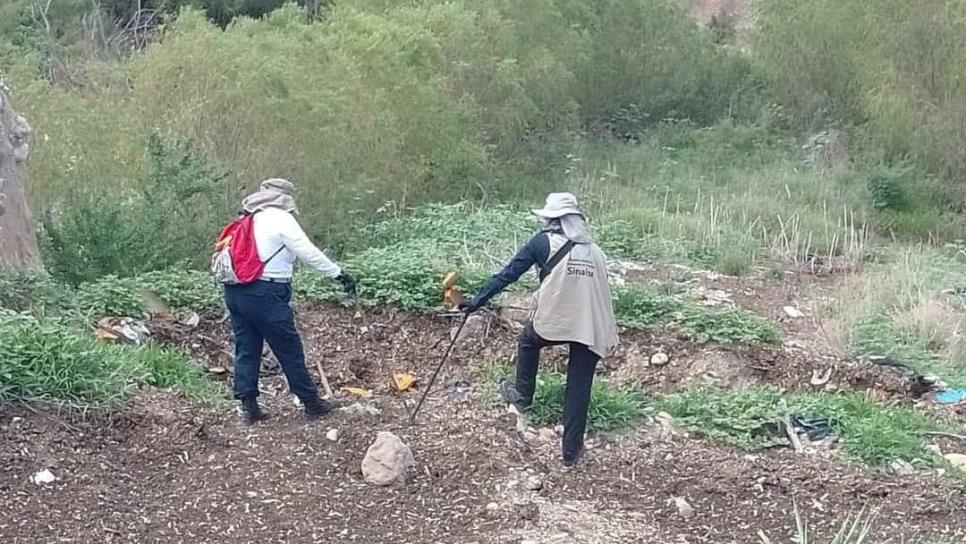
pixel 275 228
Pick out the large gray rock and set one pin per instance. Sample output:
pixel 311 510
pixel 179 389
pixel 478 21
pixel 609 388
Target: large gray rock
pixel 387 460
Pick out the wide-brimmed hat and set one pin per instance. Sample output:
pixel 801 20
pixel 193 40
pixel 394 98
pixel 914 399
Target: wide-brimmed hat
pixel 558 205
pixel 272 193
pixel 278 185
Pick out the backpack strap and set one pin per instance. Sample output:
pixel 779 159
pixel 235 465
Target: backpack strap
pixel 557 257
pixel 277 251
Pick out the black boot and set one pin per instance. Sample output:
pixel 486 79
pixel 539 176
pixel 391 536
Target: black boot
pixel 316 408
pixel 251 412
pixel 570 460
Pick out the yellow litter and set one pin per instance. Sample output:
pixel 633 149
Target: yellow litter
pixel 403 381
pixel 358 391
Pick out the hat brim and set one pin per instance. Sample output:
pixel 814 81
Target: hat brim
pixel 556 214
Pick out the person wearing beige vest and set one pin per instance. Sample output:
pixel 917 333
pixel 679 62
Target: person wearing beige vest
pixel 573 306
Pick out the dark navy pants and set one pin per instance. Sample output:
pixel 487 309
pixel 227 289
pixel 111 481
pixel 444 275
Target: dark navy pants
pixel 261 312
pixel 580 379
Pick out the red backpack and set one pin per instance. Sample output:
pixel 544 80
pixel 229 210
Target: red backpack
pixel 236 259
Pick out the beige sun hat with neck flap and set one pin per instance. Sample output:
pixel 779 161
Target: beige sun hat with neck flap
pixel 559 205
pixel 273 193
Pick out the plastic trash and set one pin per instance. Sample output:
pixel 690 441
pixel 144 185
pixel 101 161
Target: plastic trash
pixel 815 428
pixel 951 396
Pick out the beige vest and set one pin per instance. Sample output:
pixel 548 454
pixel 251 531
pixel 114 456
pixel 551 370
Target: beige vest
pixel 574 303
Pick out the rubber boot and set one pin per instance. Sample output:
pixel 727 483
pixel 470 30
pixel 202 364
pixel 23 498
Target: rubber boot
pixel 251 412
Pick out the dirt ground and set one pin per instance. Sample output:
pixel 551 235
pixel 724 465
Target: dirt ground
pixel 167 470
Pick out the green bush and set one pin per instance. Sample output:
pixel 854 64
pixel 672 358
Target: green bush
pixel 892 70
pixel 50 362
pixel 649 62
pixel 889 187
pixel 179 289
pixel 167 222
pixel 38 295
pixel 403 102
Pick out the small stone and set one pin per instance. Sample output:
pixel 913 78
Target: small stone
pixel 332 435
pixel 684 509
pixel 957 460
pixel 387 460
pixel 492 507
pixel 665 421
pixel 534 483
pixel 547 435
pixel 16 420
pixel 43 477
pixel 251 494
pixel 558 430
pixel 792 312
pixel 935 449
pixel 191 319
pixel 902 468
pixel 659 359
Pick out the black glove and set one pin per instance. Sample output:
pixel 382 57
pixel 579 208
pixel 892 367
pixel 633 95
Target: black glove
pixel 348 283
pixel 469 306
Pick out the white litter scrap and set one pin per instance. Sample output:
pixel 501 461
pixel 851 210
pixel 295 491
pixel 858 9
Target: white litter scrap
pixel 43 477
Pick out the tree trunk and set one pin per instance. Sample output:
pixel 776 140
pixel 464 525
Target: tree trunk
pixel 312 9
pixel 18 237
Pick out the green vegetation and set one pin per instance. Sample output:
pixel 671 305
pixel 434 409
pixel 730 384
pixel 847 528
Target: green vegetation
pixel 833 139
pixel 403 103
pixel 641 309
pixel 893 69
pixel 909 307
pixel 612 408
pixel 749 419
pixel 401 262
pixel 50 362
pixel 142 229
pixel 724 197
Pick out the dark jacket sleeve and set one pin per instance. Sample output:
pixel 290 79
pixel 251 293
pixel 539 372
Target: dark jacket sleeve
pixel 534 253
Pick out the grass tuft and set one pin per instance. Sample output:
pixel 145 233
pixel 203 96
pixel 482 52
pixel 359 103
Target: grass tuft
pixel 748 419
pixel 612 408
pixel 641 309
pixel 50 362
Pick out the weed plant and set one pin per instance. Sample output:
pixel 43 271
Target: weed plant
pixel 50 362
pixel 612 408
pixel 749 418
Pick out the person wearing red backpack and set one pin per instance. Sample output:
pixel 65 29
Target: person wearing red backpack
pixel 254 260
